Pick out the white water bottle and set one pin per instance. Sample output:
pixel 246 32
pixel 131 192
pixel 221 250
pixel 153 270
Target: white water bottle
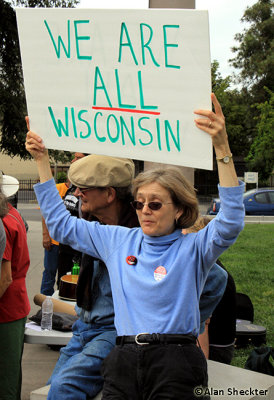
pixel 47 311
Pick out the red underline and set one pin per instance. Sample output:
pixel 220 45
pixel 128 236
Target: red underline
pixel 126 110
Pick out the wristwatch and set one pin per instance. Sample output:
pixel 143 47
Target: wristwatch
pixel 225 159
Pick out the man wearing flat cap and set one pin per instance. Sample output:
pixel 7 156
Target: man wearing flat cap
pixel 103 185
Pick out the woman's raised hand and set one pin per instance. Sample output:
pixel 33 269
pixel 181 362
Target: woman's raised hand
pixel 34 144
pixel 214 123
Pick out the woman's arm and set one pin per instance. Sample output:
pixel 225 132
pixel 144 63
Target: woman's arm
pixel 85 236
pixel 224 229
pixel 6 276
pixel 2 241
pixel 214 125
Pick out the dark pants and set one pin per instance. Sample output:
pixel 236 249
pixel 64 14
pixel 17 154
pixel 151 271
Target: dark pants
pixel 11 350
pixel 154 372
pixel 50 268
pixel 221 354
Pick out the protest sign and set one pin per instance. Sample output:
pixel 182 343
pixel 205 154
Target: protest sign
pixel 118 82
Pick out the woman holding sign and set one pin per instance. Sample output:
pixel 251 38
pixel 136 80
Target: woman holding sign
pixel 157 273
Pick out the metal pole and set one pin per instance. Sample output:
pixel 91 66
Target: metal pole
pixel 172 4
pixel 188 172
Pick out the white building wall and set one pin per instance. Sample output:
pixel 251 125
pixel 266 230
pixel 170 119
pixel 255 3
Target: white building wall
pixel 188 172
pixel 18 168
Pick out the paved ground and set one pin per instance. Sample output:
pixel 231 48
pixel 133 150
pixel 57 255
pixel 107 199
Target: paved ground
pixel 38 360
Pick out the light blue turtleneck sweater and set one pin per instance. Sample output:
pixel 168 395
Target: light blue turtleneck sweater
pixel 141 302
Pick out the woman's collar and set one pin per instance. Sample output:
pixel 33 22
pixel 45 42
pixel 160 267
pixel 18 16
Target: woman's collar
pixel 166 239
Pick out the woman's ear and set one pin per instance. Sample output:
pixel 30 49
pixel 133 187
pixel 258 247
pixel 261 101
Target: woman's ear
pixel 179 214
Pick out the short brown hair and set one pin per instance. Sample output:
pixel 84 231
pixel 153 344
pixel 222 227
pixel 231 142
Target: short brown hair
pixel 181 191
pixel 199 224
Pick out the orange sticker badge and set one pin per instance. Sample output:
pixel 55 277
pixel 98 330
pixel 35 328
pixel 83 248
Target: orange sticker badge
pixel 159 273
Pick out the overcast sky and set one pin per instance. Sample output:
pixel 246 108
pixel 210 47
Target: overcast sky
pixel 224 21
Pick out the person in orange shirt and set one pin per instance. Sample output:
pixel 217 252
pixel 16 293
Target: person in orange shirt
pixel 51 251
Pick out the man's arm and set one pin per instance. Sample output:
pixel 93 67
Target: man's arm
pixel 203 340
pixel 46 236
pixel 6 276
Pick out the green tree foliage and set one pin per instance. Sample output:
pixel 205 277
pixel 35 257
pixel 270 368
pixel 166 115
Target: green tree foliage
pixel 12 96
pixel 218 83
pixel 239 126
pixel 261 155
pixel 45 3
pixel 255 53
pixel 235 108
pixel 255 60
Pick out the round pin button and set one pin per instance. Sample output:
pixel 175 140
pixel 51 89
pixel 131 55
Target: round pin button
pixel 131 260
pixel 160 273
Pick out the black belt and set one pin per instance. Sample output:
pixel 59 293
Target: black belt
pixel 155 338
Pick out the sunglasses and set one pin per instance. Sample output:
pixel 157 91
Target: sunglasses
pixel 83 191
pixel 152 205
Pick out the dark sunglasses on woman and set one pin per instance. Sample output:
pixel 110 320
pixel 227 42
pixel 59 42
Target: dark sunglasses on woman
pixel 152 205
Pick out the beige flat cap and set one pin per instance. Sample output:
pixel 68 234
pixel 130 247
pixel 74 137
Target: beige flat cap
pixel 101 171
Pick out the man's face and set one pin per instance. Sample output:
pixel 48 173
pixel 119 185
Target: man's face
pixel 93 200
pixel 77 156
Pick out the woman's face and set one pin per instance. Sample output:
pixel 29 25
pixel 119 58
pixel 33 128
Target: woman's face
pixel 159 222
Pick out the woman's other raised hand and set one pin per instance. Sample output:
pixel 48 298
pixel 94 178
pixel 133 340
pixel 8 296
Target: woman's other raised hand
pixel 34 144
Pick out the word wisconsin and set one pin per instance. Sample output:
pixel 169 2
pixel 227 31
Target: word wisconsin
pixel 112 125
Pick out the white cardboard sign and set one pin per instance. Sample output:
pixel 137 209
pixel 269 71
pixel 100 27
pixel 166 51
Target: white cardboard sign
pixel 118 82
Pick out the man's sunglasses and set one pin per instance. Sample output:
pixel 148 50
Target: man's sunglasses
pixel 152 205
pixel 83 191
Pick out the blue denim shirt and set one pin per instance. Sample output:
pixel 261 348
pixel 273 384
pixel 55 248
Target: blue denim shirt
pixel 102 312
pixel 213 291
